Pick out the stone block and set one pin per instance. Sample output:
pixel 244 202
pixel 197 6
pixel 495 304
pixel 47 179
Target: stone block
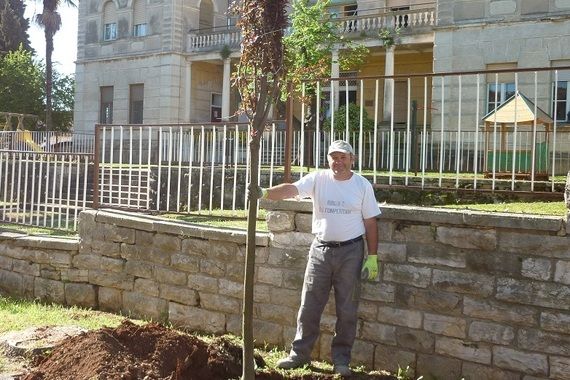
pixel 195 247
pixel 281 314
pixel 537 269
pixel 75 275
pixel 563 4
pixel 438 367
pixel 143 306
pixel 391 358
pixel 119 234
pixel 502 7
pixel 367 310
pixel 262 293
pixel 500 312
pixel 146 286
pixel 11 283
pixel 289 258
pixel 537 340
pixel 377 291
pixel 230 288
pixel 429 300
pixel 111 280
pixel 271 276
pixel 169 276
pixel 144 252
pixel 491 332
pixel 112 264
pixel 528 363
pixel 49 290
pixel 445 325
pixel 407 274
pixel 562 272
pixel 362 353
pixel 378 333
pixel 292 239
pixel 559 367
pixel 554 321
pixel 461 282
pixel 293 279
pixel 534 244
pixel 287 297
pixel 465 350
pixel 106 248
pixel 303 222
pixel 87 261
pixel 25 267
pixel 281 221
pixel 83 295
pixel 110 299
pixel 468 238
pixel 50 273
pixel 235 271
pixel 415 340
pixel 139 268
pixel 418 233
pixel 392 252
pixel 400 317
pixel 438 255
pixel 202 283
pixel 214 268
pixel 224 251
pixel 472 371
pixel 185 262
pixel 534 293
pixel 494 263
pixel 219 303
pixel 5 263
pixel 267 333
pixel 196 319
pixel 534 6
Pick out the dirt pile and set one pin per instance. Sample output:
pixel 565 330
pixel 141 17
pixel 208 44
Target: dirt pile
pixel 148 352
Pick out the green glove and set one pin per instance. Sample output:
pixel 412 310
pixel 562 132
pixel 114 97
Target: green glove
pixel 370 268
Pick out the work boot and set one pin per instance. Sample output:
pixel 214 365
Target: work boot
pixel 343 370
pixel 291 362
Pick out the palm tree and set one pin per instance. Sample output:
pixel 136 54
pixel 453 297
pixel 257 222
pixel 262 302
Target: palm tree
pixel 50 21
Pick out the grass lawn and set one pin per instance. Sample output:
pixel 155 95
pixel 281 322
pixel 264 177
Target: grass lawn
pixel 533 208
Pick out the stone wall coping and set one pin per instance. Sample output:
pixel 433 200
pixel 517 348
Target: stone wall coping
pixel 43 242
pixel 443 216
pixel 152 223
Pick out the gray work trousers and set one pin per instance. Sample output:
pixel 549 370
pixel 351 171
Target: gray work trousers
pixel 339 268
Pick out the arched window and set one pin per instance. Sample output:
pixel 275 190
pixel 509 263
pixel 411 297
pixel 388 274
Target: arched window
pixel 139 19
pixel 206 14
pixel 109 21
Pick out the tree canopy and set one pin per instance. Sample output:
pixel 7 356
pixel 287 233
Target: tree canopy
pixel 13 26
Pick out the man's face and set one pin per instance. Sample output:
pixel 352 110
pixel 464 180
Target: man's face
pixel 340 163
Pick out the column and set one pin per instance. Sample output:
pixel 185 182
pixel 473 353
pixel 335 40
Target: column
pixel 188 92
pixel 226 90
pixel 335 73
pixel 388 84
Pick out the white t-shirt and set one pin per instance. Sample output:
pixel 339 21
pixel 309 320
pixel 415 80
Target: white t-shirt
pixel 339 207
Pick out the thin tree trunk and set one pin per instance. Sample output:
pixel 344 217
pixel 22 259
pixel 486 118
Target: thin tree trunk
pixel 49 51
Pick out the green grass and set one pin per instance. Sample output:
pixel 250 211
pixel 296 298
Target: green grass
pixel 222 219
pixel 535 208
pixel 21 314
pixel 32 230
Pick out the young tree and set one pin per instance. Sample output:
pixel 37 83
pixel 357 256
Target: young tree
pixel 258 79
pixel 13 26
pixel 21 83
pixel 63 101
pixel 50 21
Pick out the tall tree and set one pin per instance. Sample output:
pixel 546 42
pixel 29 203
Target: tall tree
pixel 258 76
pixel 50 21
pixel 13 26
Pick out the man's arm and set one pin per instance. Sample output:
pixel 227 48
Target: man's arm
pixel 371 228
pixel 282 191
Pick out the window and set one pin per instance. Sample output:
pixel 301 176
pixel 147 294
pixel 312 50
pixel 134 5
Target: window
pixel 216 108
pixel 500 86
pixel 110 32
pixel 561 95
pixel 350 11
pixel 206 20
pixel 136 103
pixel 342 88
pixel 139 19
pixel 109 21
pixel 106 106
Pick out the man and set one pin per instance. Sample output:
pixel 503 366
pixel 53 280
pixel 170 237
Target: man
pixel 344 209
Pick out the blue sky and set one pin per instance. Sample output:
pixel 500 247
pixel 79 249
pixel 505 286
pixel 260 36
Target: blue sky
pixel 65 40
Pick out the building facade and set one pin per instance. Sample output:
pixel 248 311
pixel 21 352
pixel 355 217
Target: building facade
pixel 170 61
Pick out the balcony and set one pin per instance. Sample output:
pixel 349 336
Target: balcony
pixel 365 23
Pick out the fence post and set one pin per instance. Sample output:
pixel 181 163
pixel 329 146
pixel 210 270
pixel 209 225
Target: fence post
pixel 96 160
pixel 288 134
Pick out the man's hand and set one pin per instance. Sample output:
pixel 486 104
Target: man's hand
pixel 256 192
pixel 370 268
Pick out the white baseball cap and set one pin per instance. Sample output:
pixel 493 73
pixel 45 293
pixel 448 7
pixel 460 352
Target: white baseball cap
pixel 340 146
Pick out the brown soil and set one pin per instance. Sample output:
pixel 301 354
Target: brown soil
pixel 152 351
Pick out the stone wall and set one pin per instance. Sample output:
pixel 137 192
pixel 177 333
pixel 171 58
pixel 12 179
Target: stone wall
pixel 459 293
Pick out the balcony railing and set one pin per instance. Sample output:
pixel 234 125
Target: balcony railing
pixel 214 39
pixel 407 21
pixel 364 23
